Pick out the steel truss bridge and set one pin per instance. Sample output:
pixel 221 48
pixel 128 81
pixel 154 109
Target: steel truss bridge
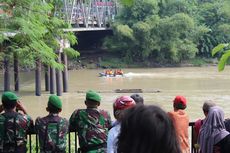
pixel 86 15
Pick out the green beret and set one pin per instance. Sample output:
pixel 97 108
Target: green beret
pixel 55 101
pixel 9 97
pixel 92 95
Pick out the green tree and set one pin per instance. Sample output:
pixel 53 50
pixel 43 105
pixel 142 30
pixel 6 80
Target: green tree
pixel 154 35
pixel 214 15
pixel 32 29
pixel 170 31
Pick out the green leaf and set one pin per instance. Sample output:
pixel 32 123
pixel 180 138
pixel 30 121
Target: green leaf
pixel 70 52
pixel 127 2
pixel 218 48
pixel 125 31
pixel 223 60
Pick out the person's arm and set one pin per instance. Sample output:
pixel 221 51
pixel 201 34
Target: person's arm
pixel 31 124
pixel 109 124
pixel 67 125
pixel 36 124
pixel 20 107
pixel 1 108
pixel 110 142
pixel 72 122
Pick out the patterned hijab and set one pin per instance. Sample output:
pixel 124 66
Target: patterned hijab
pixel 213 130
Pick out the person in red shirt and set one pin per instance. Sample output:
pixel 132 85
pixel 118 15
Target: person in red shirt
pixel 180 120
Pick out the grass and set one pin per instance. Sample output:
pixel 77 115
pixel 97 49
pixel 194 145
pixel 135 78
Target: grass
pixel 116 62
pixel 202 61
pixel 112 63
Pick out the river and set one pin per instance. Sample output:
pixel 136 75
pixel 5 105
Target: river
pixel 197 84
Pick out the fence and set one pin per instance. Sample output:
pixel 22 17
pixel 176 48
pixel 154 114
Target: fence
pixel 72 145
pixel 33 146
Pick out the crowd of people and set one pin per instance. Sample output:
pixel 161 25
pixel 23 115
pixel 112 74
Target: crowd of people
pixel 138 128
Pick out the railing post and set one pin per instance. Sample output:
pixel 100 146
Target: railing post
pixel 30 143
pixel 191 124
pixel 36 137
pixel 69 142
pixel 75 135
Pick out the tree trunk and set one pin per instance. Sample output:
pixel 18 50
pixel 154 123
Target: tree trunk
pixel 6 74
pixel 16 73
pixel 38 78
pixel 65 72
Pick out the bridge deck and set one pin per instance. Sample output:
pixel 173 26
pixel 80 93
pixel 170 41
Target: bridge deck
pixel 87 29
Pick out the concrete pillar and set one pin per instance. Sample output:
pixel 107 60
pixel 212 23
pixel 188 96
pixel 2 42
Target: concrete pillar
pixel 59 78
pixel 47 78
pixel 16 73
pixel 52 80
pixel 38 78
pixel 6 64
pixel 65 72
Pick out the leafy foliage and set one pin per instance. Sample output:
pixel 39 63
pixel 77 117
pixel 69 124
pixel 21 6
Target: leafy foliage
pixel 36 30
pixel 167 31
pixel 225 50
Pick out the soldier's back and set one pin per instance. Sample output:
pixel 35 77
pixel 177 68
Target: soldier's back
pixel 13 132
pixel 52 131
pixel 92 126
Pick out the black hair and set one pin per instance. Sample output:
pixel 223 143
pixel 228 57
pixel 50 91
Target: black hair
pixel 147 129
pixel 179 106
pixel 92 102
pixel 9 105
pixel 137 98
pixel 52 109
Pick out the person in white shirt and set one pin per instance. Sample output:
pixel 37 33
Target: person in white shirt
pixel 122 103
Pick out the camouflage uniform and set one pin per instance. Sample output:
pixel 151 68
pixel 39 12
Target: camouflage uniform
pixel 13 132
pixel 92 126
pixel 52 131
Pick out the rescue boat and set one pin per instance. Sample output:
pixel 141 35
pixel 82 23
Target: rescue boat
pixel 102 74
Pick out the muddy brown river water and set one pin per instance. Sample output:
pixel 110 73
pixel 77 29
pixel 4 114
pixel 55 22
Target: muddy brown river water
pixel 195 83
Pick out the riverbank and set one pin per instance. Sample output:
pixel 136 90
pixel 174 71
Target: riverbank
pixel 91 59
pixel 101 59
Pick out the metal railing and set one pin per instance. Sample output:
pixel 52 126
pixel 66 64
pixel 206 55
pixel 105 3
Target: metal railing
pixel 193 150
pixel 72 145
pixel 92 13
pixel 33 146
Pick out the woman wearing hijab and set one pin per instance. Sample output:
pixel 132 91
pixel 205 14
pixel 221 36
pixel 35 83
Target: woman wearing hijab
pixel 213 137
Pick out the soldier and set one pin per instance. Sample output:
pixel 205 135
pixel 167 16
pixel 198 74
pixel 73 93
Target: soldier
pixel 14 126
pixel 91 124
pixel 52 129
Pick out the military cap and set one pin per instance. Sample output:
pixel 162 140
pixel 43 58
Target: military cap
pixel 92 95
pixel 9 97
pixel 55 101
